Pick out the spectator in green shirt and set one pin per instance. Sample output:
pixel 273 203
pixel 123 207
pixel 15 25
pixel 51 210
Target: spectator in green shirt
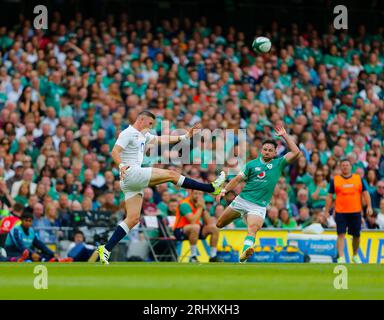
pixel 304 218
pixel 272 220
pixel 318 190
pixel 23 194
pixel 55 191
pixel 373 66
pixel 286 221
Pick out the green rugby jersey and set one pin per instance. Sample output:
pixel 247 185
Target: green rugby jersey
pixel 261 179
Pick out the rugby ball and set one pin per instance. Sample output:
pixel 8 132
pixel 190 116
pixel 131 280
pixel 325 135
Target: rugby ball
pixel 261 45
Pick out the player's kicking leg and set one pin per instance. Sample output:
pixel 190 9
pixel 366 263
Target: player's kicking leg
pixel 133 209
pixel 160 176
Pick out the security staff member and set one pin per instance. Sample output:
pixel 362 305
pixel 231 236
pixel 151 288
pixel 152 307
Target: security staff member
pixel 349 190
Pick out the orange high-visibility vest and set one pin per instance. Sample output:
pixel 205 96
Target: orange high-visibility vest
pixel 181 221
pixel 348 194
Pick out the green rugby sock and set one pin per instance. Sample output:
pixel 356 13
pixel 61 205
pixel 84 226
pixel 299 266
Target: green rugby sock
pixel 248 242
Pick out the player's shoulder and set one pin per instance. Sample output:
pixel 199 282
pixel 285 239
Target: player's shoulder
pixel 130 132
pixel 253 163
pixel 126 130
pixel 276 161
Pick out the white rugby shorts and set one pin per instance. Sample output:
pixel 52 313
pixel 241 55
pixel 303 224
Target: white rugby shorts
pixel 245 207
pixel 135 180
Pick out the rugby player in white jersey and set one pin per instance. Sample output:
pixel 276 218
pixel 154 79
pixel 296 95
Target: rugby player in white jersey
pixel 128 154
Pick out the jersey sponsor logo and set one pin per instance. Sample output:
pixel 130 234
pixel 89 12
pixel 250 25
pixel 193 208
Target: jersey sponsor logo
pixel 257 169
pixel 261 175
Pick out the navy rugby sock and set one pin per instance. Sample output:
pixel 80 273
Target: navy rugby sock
pixel 120 232
pixel 195 185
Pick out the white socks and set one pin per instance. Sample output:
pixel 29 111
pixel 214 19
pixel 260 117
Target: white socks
pixel 124 226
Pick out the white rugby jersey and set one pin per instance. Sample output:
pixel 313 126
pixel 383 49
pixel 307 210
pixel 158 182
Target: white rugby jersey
pixel 133 143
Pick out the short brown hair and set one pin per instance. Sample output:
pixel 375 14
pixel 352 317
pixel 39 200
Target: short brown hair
pixel 147 113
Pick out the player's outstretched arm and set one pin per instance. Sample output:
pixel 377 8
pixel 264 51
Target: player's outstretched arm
pixel 231 185
pixel 166 139
pixel 295 152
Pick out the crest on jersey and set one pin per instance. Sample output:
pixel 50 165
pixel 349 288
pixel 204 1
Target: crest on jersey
pixel 261 175
pixel 269 166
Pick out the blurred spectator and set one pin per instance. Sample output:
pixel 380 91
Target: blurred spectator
pixel 193 222
pixel 149 207
pixel 272 220
pixel 371 221
pixel 163 204
pixel 5 198
pixel 318 190
pixel 78 250
pixel 43 222
pixel 110 203
pixel 380 215
pixel 304 219
pixel 377 195
pixel 319 217
pixel 287 222
pixel 27 179
pixel 302 198
pixel 171 207
pixel 54 192
pixel 23 194
pixel 63 211
pixel 23 237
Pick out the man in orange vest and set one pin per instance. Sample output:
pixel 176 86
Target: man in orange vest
pixel 193 222
pixel 349 190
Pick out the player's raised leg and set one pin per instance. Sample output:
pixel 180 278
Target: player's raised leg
pixel 254 222
pixel 133 209
pixel 160 176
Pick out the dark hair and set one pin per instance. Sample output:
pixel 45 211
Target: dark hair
pixel 26 215
pixel 147 113
pixel 344 159
pixel 270 141
pixel 18 207
pixel 78 232
pixel 22 96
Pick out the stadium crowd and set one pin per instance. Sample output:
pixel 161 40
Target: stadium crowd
pixel 67 92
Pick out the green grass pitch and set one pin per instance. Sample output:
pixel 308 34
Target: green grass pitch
pixel 159 281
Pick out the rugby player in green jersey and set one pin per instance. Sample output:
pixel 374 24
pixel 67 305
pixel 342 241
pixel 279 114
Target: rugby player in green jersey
pixel 261 176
